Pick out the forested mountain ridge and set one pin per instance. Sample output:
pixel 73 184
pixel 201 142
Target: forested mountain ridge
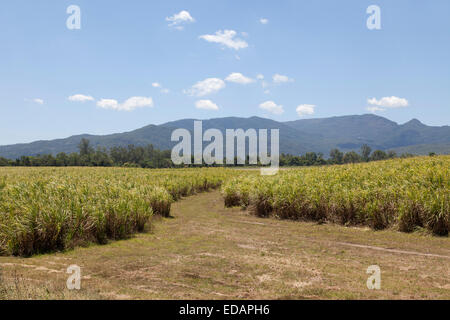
pixel 296 137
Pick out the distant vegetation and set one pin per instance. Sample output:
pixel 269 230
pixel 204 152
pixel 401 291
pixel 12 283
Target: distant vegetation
pixel 149 157
pixel 131 156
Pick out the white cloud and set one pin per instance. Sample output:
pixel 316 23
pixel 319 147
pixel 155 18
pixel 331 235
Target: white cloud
pixel 226 38
pixel 35 100
pixel 305 109
pixel 389 102
pixel 129 105
pixel 206 105
pixel 374 109
pixel 81 98
pixel 137 102
pixel 108 104
pixel 205 87
pixel 159 86
pixel 278 78
pixel 237 77
pixel 260 76
pixel 179 19
pixel 264 21
pixel 272 107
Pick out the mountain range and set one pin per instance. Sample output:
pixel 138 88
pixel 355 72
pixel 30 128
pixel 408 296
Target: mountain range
pixel 296 137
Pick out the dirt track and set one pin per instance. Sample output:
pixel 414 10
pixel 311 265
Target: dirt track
pixel 208 252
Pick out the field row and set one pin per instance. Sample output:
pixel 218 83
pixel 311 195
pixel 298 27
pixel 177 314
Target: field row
pixel 405 194
pixel 47 209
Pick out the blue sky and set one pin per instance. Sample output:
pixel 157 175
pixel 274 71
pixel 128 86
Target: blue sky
pixel 129 66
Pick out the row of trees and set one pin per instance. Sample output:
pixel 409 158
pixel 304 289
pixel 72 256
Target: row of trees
pixel 131 156
pixel 338 157
pixel 149 157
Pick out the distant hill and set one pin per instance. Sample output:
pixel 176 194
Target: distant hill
pixel 296 137
pixel 350 132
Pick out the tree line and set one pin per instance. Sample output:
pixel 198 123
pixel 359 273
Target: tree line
pixel 150 157
pixel 338 157
pixel 131 156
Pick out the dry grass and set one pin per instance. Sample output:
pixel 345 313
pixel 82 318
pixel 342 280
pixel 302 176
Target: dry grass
pixel 208 252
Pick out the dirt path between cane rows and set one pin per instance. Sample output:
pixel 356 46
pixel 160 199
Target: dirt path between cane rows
pixel 206 251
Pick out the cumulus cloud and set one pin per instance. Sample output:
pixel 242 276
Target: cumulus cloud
pixel 237 77
pixel 205 87
pixel 108 104
pixel 226 38
pixel 159 86
pixel 206 105
pixel 129 105
pixel 264 21
pixel 272 107
pixel 80 98
pixel 179 19
pixel 38 101
pixel 374 109
pixel 278 78
pixel 305 109
pixel 260 76
pixel 389 102
pixel 137 102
